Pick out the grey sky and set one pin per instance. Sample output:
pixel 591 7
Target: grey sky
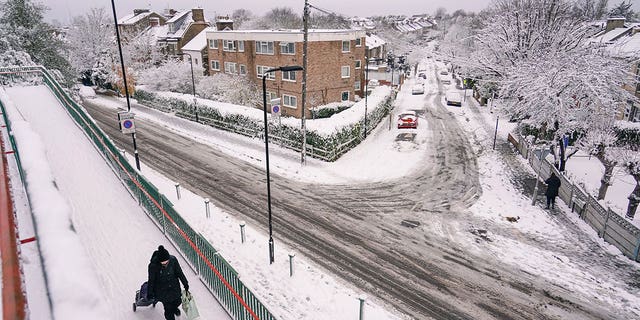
pixel 61 10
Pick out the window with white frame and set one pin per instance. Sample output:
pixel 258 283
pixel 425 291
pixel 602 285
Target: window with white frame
pixel 228 45
pixel 289 76
pixel 358 64
pixel 287 48
pixel 264 47
pixel 271 96
pixel 230 67
pixel 356 85
pixel 346 45
pixel 213 43
pixel 215 65
pixel 345 95
pixel 289 101
pixel 260 70
pixel 358 42
pixel 243 70
pixel 240 46
pixel 346 71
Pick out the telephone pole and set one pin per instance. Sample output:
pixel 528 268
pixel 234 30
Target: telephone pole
pixel 305 20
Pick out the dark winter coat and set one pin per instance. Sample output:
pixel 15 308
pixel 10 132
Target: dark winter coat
pixel 163 281
pixel 553 185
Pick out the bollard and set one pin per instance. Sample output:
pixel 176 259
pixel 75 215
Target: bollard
pixel 291 255
pixel 206 206
pixel 362 298
pixel 242 224
pixel 178 190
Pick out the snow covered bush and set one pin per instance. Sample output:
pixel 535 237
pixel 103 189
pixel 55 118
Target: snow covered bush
pixel 172 75
pixel 230 89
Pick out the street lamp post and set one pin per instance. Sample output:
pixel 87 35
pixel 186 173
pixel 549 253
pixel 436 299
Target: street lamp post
pixel 266 147
pixel 193 83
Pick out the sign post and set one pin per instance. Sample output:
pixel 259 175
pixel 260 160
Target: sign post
pixel 127 125
pixel 276 109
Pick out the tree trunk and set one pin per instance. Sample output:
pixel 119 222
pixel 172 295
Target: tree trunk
pixel 605 182
pixel 563 152
pixel 634 199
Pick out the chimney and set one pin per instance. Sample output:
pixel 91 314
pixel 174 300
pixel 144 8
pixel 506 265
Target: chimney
pixel 139 11
pixel 614 22
pixel 197 14
pixel 154 21
pixel 224 23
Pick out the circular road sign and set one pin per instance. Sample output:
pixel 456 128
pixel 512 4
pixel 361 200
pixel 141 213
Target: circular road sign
pixel 127 124
pixel 276 109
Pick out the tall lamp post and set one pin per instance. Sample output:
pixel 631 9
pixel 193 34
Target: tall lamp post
pixel 266 146
pixel 193 83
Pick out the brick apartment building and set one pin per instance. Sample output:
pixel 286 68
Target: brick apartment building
pixel 335 70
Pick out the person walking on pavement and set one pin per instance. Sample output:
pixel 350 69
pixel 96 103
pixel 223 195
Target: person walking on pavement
pixel 163 285
pixel 553 185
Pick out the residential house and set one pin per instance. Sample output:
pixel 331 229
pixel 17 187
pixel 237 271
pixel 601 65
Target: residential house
pixel 376 47
pixel 181 28
pixel 622 40
pixel 197 47
pixel 334 72
pixel 141 19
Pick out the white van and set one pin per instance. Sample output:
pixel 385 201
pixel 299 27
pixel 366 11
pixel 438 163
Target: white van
pixel 453 99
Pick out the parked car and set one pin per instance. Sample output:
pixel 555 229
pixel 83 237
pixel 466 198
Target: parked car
pixel 444 72
pixel 453 99
pixel 422 75
pixel 417 89
pixel 445 80
pixel 408 120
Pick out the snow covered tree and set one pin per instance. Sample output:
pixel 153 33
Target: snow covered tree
pixel 328 21
pixel 547 75
pixel 623 9
pixel 142 52
pixel 234 89
pixel 91 46
pixel 629 159
pixel 590 9
pixel 240 16
pixel 172 75
pixel 24 20
pixel 281 18
pixel 598 142
pixel 10 52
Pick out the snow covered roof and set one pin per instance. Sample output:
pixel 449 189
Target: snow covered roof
pixel 292 35
pixel 373 41
pixel 626 46
pixel 199 42
pixel 134 17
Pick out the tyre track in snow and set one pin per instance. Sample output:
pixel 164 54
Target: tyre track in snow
pixel 406 268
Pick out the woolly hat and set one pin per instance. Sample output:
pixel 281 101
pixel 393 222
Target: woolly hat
pixel 163 254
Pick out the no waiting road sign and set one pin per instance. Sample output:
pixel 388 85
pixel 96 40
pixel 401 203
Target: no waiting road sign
pixel 127 125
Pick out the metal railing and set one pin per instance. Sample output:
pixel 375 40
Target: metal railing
pixel 214 271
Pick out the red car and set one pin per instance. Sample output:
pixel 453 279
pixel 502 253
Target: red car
pixel 408 120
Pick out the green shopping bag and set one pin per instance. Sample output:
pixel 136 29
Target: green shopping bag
pixel 189 306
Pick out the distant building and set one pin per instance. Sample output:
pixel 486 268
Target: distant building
pixel 622 40
pixel 180 29
pixel 140 20
pixel 335 69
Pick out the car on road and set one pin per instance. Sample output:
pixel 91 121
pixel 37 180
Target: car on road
pixel 417 89
pixel 422 75
pixel 445 80
pixel 453 99
pixel 444 72
pixel 408 120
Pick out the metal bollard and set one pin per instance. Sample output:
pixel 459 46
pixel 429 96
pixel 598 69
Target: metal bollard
pixel 362 298
pixel 242 224
pixel 291 255
pixel 206 206
pixel 178 190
